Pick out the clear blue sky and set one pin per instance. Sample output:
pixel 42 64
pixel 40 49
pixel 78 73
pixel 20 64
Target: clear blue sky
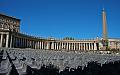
pixel 61 18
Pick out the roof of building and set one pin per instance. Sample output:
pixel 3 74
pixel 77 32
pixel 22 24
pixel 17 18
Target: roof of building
pixel 9 16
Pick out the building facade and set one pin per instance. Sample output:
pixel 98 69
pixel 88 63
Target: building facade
pixel 11 37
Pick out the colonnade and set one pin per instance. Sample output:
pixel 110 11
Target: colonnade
pixel 72 45
pixel 22 41
pixel 4 39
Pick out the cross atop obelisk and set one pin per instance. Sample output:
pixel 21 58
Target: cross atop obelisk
pixel 105 40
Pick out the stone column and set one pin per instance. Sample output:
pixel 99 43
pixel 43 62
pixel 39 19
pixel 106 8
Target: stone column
pixel 95 47
pixel 84 46
pixel 1 40
pixel 7 40
pixel 57 45
pixel 14 41
pixel 52 45
pixel 65 45
pixel 11 41
pixel 68 46
pixel 27 43
pixel 38 45
pixel 48 44
pixel 89 46
pixel 73 46
pixel 42 45
pixel 21 42
pixel 78 46
pixel 61 45
pixel 35 44
pixel 24 45
pixel 16 45
pixel 31 43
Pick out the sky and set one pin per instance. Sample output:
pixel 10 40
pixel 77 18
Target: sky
pixel 80 19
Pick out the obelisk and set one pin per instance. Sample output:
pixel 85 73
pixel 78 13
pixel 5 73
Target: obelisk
pixel 105 40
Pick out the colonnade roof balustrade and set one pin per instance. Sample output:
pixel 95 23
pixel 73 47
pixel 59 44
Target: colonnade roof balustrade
pixel 23 35
pixel 52 39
